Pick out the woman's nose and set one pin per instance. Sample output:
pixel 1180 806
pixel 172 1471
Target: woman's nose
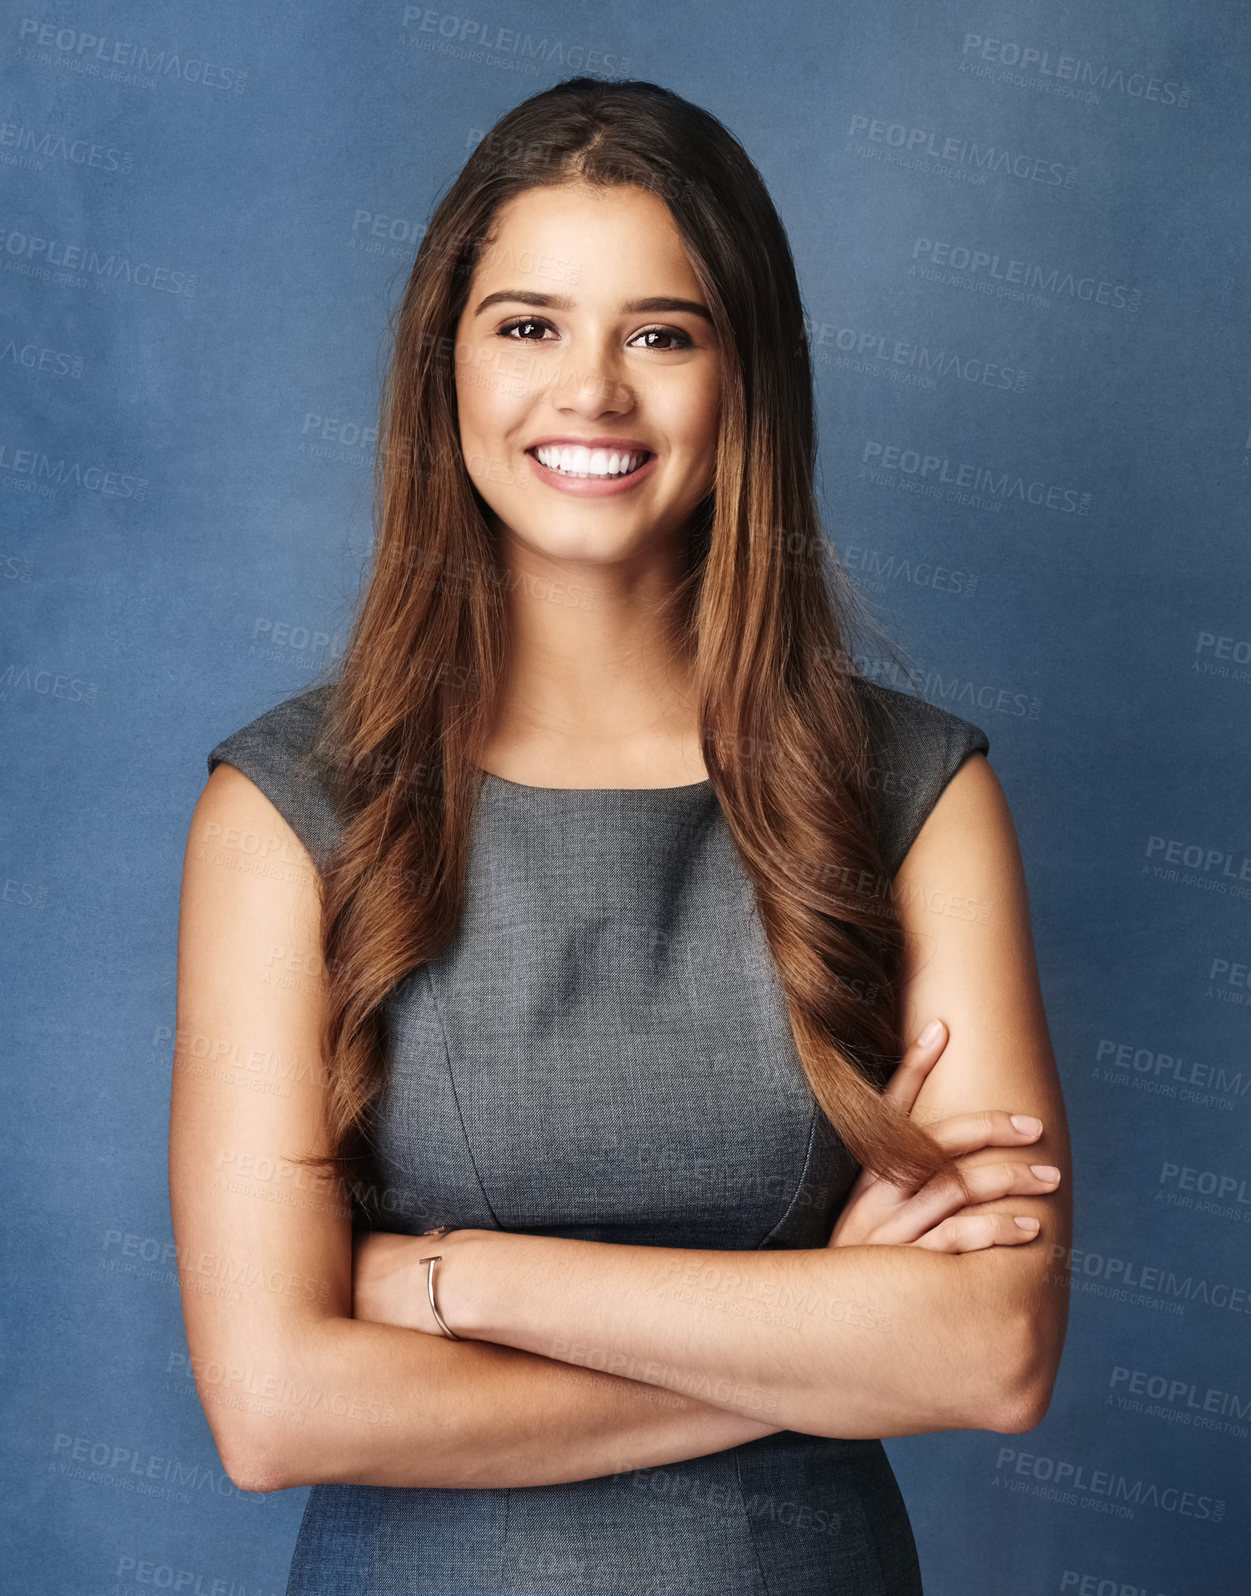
pixel 593 379
pixel 596 389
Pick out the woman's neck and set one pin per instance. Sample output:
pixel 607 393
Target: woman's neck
pixel 597 693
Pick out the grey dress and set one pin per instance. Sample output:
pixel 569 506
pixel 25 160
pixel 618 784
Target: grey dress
pixel 604 1053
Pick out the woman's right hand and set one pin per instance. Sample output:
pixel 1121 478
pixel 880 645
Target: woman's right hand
pixel 935 1215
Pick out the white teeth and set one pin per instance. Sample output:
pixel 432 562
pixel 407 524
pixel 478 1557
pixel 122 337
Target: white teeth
pixel 579 461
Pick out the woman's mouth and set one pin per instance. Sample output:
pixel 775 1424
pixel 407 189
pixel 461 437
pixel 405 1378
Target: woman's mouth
pixel 590 473
pixel 575 460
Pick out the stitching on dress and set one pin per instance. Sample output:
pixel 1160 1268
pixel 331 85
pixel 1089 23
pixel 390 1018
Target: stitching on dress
pixel 451 1075
pixel 873 1530
pixel 508 1506
pixel 751 1528
pixel 799 1185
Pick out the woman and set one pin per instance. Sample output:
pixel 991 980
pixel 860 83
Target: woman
pixel 585 1223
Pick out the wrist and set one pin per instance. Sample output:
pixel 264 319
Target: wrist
pixel 461 1281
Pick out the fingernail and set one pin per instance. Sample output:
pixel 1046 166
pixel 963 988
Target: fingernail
pixel 1027 1123
pixel 931 1033
pixel 1046 1171
pixel 1026 1224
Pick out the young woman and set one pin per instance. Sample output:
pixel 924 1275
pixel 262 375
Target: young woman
pixel 576 1218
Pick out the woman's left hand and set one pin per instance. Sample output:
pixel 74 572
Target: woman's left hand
pixel 389 1283
pixel 882 1212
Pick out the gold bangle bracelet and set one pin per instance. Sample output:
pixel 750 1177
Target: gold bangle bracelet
pixel 434 1307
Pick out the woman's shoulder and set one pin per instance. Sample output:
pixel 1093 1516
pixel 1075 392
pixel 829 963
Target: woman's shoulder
pixel 276 751
pixel 289 725
pixel 909 725
pixel 917 747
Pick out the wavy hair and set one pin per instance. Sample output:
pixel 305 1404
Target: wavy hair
pixel 762 604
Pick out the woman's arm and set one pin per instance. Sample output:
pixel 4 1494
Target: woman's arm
pixel 885 1340
pixel 296 1391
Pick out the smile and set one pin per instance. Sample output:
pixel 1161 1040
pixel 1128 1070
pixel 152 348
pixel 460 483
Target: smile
pixel 591 473
pixel 583 462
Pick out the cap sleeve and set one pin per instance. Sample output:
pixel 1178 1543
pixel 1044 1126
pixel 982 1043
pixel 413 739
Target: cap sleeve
pixel 918 747
pixel 274 753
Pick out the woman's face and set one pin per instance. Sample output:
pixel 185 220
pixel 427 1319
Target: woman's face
pixel 566 352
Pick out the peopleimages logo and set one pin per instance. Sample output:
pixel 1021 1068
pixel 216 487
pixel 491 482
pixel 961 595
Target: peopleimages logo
pixel 878 458
pixel 90 52
pixel 1072 69
pixel 82 265
pixel 961 151
pixel 33 469
pixel 1026 275
pixel 1077 1478
pixel 869 348
pixel 35 145
pixel 451 30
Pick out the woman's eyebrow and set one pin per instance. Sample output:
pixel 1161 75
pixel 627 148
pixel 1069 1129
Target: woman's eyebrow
pixel 632 307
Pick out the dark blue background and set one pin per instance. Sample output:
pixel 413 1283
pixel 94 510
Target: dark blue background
pixel 185 472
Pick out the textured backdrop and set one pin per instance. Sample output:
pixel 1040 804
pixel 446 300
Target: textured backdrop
pixel 1021 232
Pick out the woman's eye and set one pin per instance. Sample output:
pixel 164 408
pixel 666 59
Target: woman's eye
pixel 507 330
pixel 682 341
pixel 678 339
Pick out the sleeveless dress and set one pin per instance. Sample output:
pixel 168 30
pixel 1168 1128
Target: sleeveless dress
pixel 604 1053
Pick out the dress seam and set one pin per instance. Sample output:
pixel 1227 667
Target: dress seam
pixel 875 1536
pixel 751 1528
pixel 799 1184
pixel 451 1076
pixel 508 1504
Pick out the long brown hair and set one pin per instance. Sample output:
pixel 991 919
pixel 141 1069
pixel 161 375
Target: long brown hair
pixel 763 606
